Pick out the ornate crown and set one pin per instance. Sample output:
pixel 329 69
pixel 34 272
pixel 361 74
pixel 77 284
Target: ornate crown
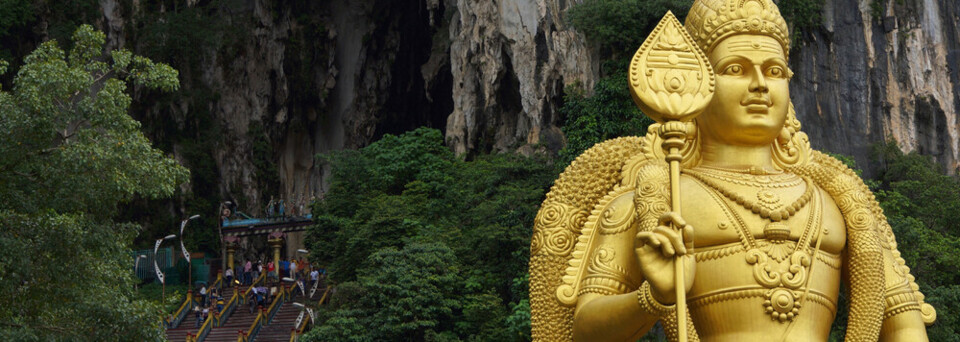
pixel 710 21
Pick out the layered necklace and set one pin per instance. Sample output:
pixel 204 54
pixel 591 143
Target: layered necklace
pixel 767 205
pixel 787 289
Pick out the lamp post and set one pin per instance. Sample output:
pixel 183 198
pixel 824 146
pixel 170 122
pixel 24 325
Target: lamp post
pixel 299 266
pixel 136 267
pixel 186 255
pixel 294 281
pixel 223 213
pixel 300 317
pixel 156 267
pixel 313 289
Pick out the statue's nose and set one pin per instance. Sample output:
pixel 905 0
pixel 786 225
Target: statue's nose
pixel 758 83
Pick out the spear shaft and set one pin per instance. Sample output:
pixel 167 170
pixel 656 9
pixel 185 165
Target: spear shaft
pixel 674 134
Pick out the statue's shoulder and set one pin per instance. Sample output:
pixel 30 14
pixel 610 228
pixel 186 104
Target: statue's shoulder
pixel 831 174
pixel 595 172
pixel 593 179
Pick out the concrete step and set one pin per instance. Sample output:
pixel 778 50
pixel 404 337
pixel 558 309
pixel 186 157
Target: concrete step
pixel 279 328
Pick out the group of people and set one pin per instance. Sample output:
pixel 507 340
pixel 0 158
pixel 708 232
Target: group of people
pixel 261 296
pixel 209 299
pixel 251 270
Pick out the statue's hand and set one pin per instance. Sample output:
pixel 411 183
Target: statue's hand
pixel 658 250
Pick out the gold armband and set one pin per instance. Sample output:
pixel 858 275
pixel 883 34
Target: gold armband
pixel 650 304
pixel 900 302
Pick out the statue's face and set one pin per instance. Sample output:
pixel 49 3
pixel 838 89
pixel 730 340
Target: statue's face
pixel 752 94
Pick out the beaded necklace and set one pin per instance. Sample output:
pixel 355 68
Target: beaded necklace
pixel 762 181
pixel 762 209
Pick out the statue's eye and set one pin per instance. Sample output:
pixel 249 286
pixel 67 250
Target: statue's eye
pixel 776 72
pixel 735 69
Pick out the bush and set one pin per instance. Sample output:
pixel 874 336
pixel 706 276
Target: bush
pixel 405 215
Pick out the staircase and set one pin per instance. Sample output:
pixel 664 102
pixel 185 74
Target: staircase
pixel 279 328
pixel 189 323
pixel 240 320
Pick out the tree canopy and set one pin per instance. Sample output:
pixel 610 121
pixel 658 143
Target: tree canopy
pixel 424 245
pixel 71 155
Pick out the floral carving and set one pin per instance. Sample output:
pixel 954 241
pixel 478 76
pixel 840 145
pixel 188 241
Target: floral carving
pixel 551 216
pixel 560 242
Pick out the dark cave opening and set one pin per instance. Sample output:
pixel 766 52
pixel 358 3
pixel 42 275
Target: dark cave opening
pixel 411 102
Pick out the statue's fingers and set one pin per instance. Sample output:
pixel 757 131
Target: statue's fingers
pixel 688 238
pixel 647 238
pixel 640 240
pixel 673 239
pixel 666 246
pixel 672 217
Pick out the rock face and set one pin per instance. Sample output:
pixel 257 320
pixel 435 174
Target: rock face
pixel 864 77
pixel 489 73
pixel 510 60
pixel 290 80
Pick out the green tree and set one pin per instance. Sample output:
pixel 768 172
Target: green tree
pixel 618 27
pixel 921 204
pixel 801 15
pixel 71 155
pixel 408 294
pixel 609 113
pixel 410 190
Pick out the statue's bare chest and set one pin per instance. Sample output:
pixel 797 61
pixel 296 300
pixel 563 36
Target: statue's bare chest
pixel 725 209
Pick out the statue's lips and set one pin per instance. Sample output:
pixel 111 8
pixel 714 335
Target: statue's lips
pixel 758 109
pixel 757 105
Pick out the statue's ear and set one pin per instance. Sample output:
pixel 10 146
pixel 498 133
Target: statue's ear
pixel 792 148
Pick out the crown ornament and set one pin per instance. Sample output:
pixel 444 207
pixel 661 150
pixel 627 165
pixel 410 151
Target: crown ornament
pixel 710 21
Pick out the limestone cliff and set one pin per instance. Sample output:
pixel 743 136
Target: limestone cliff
pixel 868 74
pixel 275 83
pixel 489 73
pixel 510 60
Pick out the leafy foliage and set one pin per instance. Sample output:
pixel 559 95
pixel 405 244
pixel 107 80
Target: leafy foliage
pixel 608 114
pixel 427 246
pixel 14 13
pixel 802 15
pixel 921 204
pixel 70 156
pixel 618 27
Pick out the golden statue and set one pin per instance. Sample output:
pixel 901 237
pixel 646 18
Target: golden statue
pixel 721 223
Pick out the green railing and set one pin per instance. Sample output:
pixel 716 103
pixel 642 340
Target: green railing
pixel 181 312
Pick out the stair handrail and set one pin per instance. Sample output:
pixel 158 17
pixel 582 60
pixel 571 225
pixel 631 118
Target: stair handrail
pixel 204 329
pixel 254 327
pixel 222 316
pixel 278 300
pixel 297 331
pixel 303 325
pixel 325 294
pixel 219 283
pixel 246 294
pixel 177 317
